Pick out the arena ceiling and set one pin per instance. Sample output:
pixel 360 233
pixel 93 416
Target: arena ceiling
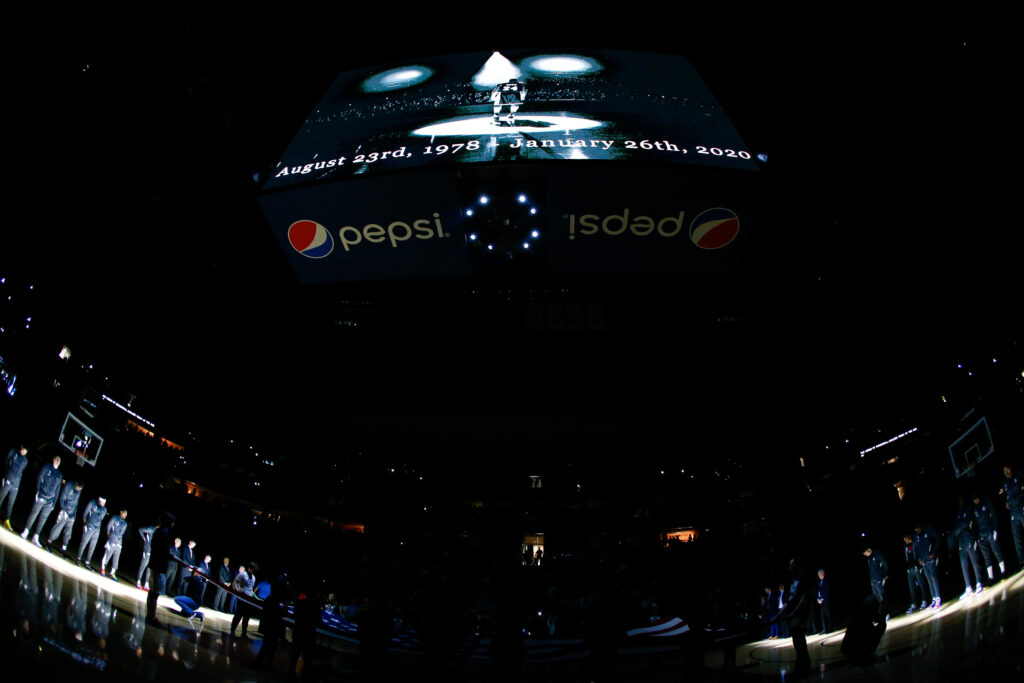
pixel 875 264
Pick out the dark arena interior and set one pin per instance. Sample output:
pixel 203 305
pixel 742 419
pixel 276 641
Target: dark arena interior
pixel 511 344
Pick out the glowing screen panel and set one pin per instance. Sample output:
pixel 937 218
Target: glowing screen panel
pixel 596 162
pixel 512 106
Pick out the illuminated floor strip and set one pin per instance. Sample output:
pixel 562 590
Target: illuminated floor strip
pixel 121 589
pixel 781 651
pixel 526 123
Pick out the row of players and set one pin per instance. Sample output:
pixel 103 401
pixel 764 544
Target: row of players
pixel 975 536
pixel 51 493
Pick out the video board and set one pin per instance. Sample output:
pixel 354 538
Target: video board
pixel 374 185
pixel 454 109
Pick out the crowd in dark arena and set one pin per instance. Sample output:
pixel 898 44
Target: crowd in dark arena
pixel 532 344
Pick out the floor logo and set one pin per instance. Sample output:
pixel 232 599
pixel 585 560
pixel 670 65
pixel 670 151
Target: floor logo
pixel 310 239
pixel 714 228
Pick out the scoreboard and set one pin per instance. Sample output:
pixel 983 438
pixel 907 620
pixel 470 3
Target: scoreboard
pixel 605 161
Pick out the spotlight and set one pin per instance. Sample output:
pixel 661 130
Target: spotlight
pixel 526 245
pixel 533 211
pixel 562 64
pixel 522 199
pixel 535 234
pixel 472 237
pixel 469 212
pixel 396 79
pixel 484 199
pixel 490 247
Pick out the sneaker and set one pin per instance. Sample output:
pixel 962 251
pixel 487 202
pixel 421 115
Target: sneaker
pixel 938 603
pixel 103 572
pixel 979 588
pixel 967 593
pixel 35 541
pixel 146 587
pixel 24 534
pixel 113 577
pixel 924 605
pixel 7 525
pixel 911 610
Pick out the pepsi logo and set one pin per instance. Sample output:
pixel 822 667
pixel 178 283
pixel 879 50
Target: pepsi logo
pixel 714 228
pixel 310 239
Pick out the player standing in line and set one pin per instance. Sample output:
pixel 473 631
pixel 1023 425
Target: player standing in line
pixel 147 537
pixel 1013 489
pixel 13 467
pixel 92 520
pixel 988 535
pixel 115 537
pixel 926 548
pixel 965 538
pixel 916 581
pixel 511 94
pixel 878 571
pixel 47 488
pixel 65 523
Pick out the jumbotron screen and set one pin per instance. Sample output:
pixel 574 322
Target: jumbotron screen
pixel 368 188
